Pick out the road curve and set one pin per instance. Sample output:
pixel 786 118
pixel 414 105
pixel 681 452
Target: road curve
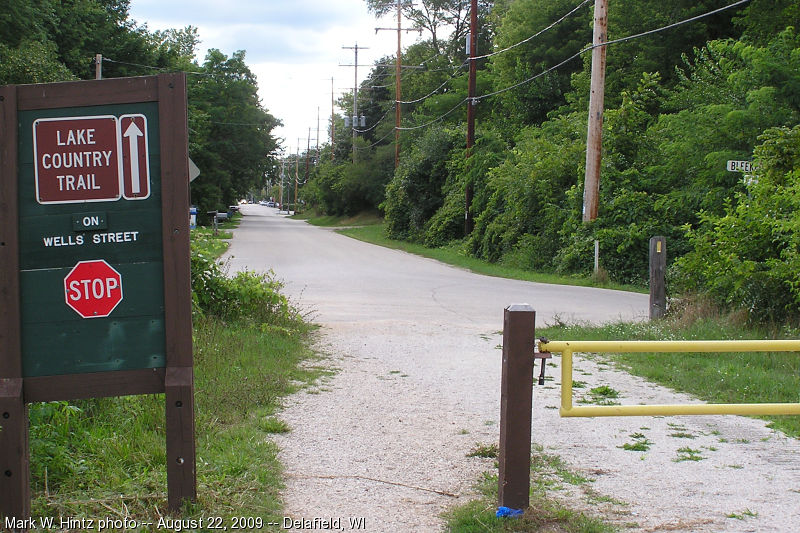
pixel 345 280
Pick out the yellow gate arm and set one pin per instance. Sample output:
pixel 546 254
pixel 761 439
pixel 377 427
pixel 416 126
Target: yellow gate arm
pixel 566 348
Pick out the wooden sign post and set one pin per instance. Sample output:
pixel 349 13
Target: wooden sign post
pixel 94 261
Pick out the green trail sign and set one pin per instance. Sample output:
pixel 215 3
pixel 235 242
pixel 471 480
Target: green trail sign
pixel 74 161
pixel 94 258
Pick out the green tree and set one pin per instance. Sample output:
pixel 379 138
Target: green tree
pixel 530 103
pixel 417 189
pixel 231 140
pixel 749 256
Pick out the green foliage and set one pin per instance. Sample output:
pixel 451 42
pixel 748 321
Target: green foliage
pixel 530 103
pixel 526 192
pixel 344 188
pixel 31 62
pixel 232 141
pixel 248 296
pixel 749 255
pixel 417 190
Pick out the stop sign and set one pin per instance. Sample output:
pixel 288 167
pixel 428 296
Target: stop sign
pixel 93 288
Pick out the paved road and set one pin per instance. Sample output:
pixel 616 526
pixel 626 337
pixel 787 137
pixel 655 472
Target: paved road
pixel 349 281
pixel 416 346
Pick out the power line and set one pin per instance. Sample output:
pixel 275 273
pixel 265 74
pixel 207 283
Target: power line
pixel 439 119
pixel 528 39
pixel 548 28
pixel 614 41
pixel 436 90
pixel 676 24
pixel 376 143
pixel 377 122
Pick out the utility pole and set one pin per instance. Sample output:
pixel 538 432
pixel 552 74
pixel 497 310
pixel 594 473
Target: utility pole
pixel 333 124
pixel 397 84
pixel 296 175
pixel 397 91
pixel 594 137
pixel 471 90
pixel 98 67
pixel 308 154
pixel 355 91
pixel 317 138
pixel 280 189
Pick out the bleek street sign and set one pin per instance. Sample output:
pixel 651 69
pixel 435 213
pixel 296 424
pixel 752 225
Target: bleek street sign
pixel 91 159
pixel 739 166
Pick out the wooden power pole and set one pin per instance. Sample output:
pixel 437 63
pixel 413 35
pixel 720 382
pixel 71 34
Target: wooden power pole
pixel 355 48
pixel 471 89
pixel 594 138
pixel 333 124
pixel 397 84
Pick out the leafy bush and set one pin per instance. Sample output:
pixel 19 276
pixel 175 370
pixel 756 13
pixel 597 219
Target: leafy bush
pixel 417 190
pixel 749 256
pixel 248 296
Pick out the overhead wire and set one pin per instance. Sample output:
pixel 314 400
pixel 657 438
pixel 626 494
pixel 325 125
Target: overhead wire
pixel 528 39
pixel 477 99
pixel 436 90
pixel 614 41
pixel 377 122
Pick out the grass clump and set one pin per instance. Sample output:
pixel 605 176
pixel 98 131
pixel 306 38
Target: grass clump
pixel 544 514
pixel 487 451
pixel 640 443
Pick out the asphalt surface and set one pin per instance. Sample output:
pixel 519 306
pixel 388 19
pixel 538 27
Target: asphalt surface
pixel 345 280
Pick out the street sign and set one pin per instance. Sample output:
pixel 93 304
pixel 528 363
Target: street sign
pixel 740 166
pixel 76 159
pixel 91 159
pixel 93 288
pixel 194 171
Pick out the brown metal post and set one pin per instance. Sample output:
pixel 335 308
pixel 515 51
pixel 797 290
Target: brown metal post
pixel 179 384
pixel 15 495
pixel 516 402
pixel 658 268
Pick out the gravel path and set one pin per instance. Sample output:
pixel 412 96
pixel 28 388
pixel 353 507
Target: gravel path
pixel 417 385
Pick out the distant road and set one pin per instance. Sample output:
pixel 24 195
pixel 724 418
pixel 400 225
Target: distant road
pixel 347 280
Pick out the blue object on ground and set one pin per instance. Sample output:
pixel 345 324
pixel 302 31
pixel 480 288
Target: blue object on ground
pixel 507 511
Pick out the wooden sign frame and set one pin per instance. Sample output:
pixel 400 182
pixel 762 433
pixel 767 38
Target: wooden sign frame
pixel 176 380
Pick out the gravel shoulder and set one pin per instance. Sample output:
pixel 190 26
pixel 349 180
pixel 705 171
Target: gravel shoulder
pixel 415 346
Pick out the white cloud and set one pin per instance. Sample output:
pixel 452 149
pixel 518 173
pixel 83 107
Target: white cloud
pixel 293 47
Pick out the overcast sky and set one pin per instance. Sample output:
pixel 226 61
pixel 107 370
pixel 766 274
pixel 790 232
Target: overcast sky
pixel 293 46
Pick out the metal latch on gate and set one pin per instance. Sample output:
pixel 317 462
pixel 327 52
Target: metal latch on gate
pixel 544 356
